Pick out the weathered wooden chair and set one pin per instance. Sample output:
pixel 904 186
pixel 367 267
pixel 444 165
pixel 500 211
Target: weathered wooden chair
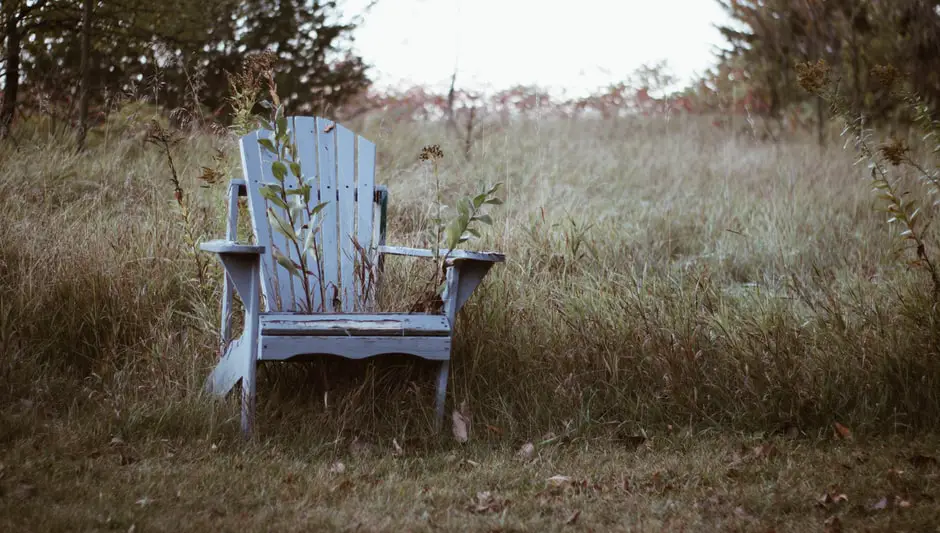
pixel 279 325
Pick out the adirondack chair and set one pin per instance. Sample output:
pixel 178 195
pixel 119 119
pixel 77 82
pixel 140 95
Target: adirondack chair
pixel 279 324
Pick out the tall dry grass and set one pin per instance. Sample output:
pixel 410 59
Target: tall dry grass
pixel 659 273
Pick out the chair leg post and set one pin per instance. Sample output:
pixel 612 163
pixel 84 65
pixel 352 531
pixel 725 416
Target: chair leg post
pixel 249 378
pixel 441 395
pixel 450 311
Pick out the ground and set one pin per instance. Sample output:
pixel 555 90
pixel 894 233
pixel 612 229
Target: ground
pixel 678 481
pixel 694 330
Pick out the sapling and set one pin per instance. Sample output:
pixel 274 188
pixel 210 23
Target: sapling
pixel 449 233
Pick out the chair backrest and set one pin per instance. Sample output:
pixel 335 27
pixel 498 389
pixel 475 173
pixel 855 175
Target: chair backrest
pixel 340 168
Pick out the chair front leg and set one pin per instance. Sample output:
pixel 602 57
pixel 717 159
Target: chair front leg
pixel 450 297
pixel 228 287
pixel 252 337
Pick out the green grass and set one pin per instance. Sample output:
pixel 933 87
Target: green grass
pixel 662 279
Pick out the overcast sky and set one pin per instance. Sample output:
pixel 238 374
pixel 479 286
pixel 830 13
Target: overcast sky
pixel 576 45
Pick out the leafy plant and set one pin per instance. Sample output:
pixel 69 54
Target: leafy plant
pixel 165 140
pixel 891 162
pixel 246 87
pixel 449 233
pixel 296 219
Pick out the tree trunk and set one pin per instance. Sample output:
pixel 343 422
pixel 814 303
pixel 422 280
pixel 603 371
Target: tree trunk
pixel 85 90
pixel 11 78
pixel 451 96
pixel 820 121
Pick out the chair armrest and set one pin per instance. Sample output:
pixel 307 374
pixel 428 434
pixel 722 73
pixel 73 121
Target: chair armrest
pixel 455 255
pixel 230 247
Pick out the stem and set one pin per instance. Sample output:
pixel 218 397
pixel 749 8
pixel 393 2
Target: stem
pixel 921 250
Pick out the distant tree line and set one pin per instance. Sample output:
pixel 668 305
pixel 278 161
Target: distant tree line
pixel 72 55
pixel 769 37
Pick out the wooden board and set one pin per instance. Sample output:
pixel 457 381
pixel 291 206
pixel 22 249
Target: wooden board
pixel 387 324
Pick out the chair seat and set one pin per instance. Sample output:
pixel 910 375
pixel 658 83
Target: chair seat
pixel 354 325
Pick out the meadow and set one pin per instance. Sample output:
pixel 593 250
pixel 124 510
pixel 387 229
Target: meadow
pixel 693 331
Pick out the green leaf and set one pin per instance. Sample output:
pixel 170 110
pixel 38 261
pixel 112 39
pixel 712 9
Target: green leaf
pixel 484 219
pixel 268 145
pixel 281 125
pixel 478 200
pixel 281 226
pixel 297 208
pixel 295 169
pixel 473 232
pixel 453 233
pixel 285 262
pixel 266 104
pixel 317 208
pixel 279 170
pixel 272 193
pixel 494 201
pixel 463 208
pixel 310 240
pixel 494 189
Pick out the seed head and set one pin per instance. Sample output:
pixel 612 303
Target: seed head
pixel 894 151
pixel 813 77
pixel 885 75
pixel 431 153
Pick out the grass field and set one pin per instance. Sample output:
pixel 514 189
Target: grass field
pixel 682 320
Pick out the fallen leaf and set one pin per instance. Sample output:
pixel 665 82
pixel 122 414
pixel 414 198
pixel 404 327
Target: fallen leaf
pixel 880 504
pixel 337 468
pixel 829 499
pixel 527 451
pixel 487 502
pixel 145 501
pixel 842 432
pixel 764 451
pixel 573 518
pixel 558 481
pixel 901 503
pixel 342 486
pixel 494 429
pixel 625 486
pixel 461 425
pixel 742 514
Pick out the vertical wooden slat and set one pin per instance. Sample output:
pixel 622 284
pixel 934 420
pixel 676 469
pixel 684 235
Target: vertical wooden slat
pixel 294 285
pixel 326 141
pixel 306 138
pixel 365 217
pixel 251 165
pixel 286 294
pixel 346 185
pixel 228 288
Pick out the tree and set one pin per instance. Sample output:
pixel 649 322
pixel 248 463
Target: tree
pixel 20 19
pixel 179 51
pixel 316 70
pixel 85 94
pixel 769 37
